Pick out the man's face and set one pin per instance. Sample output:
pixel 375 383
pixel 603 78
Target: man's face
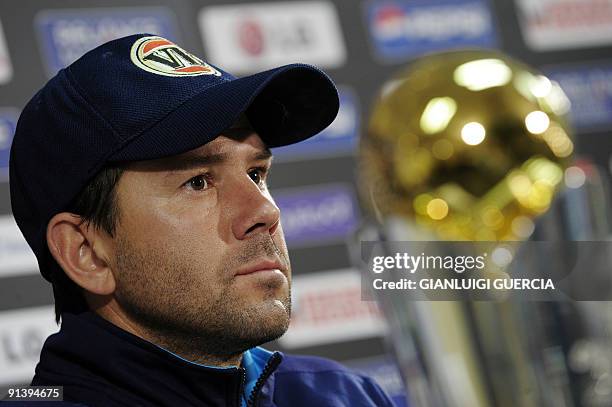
pixel 199 251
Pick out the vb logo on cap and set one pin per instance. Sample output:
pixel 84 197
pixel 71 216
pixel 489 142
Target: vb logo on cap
pixel 163 57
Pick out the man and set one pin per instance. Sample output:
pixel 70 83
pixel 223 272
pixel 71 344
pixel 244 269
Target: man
pixel 138 177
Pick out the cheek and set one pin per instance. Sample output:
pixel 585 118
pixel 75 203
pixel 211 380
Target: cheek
pixel 187 230
pixel 175 252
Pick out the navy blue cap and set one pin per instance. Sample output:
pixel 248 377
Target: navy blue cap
pixel 143 97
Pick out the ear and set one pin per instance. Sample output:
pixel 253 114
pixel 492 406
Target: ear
pixel 82 251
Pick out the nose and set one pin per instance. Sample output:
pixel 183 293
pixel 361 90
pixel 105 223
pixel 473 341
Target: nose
pixel 255 211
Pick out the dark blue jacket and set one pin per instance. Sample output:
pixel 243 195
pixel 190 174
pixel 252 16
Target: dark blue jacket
pixel 99 364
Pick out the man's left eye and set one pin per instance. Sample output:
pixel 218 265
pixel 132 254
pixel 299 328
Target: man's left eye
pixel 257 175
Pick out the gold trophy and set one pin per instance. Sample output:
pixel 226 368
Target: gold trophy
pixel 467 146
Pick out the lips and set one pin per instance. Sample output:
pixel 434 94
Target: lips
pixel 260 266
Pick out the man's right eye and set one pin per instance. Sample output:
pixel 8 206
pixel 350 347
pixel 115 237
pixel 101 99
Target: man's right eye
pixel 197 183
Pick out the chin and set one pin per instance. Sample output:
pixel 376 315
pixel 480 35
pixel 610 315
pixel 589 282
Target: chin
pixel 275 315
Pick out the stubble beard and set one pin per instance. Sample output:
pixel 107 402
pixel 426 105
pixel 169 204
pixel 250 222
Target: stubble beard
pixel 186 314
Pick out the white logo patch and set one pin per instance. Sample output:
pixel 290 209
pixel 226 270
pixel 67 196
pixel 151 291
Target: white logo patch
pixel 160 56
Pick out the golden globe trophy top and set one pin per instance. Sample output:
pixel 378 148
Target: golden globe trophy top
pixel 468 145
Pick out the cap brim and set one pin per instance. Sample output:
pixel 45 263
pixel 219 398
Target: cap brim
pixel 284 105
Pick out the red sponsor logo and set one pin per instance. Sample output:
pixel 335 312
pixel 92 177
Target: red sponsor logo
pixel 250 37
pixel 331 306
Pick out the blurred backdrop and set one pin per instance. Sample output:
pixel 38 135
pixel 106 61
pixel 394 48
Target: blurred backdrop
pixel 361 44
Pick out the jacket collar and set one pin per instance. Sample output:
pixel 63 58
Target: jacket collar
pixel 95 350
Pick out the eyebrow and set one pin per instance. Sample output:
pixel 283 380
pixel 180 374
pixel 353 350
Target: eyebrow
pixel 191 161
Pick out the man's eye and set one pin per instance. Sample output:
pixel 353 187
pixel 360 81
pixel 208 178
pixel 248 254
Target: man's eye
pixel 257 175
pixel 197 183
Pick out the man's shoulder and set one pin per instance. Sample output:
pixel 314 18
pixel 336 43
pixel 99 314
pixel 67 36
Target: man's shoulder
pixel 321 381
pixel 310 364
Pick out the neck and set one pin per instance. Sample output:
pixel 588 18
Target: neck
pixel 186 348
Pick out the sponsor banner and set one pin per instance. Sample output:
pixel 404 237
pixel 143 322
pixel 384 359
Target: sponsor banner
pixel 340 137
pixel 67 34
pixel 6 69
pixel 402 29
pixel 386 373
pixel 327 308
pixel 8 121
pixel 562 24
pixel 251 37
pixel 22 334
pixel 17 257
pixel 589 89
pixel 315 215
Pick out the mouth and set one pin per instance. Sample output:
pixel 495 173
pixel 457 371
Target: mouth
pixel 263 266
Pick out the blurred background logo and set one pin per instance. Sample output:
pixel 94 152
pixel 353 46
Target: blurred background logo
pixel 401 29
pixel 327 308
pixel 8 121
pixel 251 37
pixel 559 24
pixel 6 69
pixel 317 214
pixel 65 35
pixel 589 88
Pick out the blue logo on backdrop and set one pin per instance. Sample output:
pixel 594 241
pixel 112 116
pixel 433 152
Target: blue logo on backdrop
pixel 315 215
pixel 8 121
pixel 65 35
pixel 339 138
pixel 405 29
pixel 589 89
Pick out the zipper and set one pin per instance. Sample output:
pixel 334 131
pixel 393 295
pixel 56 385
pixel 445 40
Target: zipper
pixel 272 364
pixel 241 385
